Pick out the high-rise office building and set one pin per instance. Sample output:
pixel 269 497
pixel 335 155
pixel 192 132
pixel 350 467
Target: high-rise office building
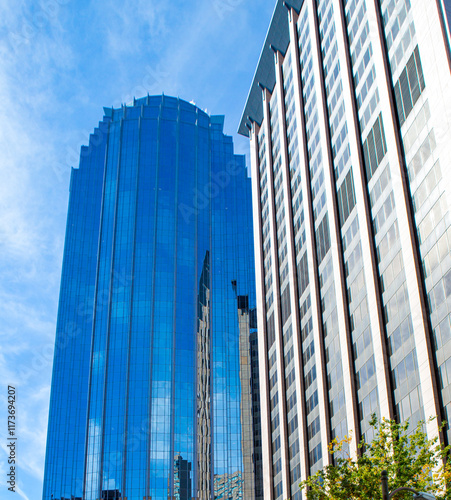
pixel 149 369
pixel 349 119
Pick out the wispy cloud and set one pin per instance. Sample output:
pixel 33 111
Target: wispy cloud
pixel 21 493
pixel 32 215
pixel 134 27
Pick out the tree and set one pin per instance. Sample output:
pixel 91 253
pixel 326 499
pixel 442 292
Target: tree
pixel 410 459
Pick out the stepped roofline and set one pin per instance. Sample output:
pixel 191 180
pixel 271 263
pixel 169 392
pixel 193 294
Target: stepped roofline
pixel 277 38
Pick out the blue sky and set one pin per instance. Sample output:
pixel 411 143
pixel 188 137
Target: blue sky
pixel 61 62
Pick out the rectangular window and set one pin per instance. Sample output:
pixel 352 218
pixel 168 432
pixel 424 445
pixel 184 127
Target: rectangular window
pixel 303 279
pixel 323 239
pixel 427 186
pixel 291 401
pixel 293 425
pixel 422 155
pixel 405 93
pixel 315 455
pixel 271 331
pixel 310 378
pixel 285 304
pixel 374 147
pixel 346 198
pixel 313 428
pixel 409 86
pixel 312 402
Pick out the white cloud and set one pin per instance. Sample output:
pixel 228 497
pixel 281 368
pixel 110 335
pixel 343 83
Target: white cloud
pixel 132 25
pixel 32 214
pixel 21 493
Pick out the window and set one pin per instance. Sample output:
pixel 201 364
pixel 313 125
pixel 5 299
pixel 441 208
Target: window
pixel 312 402
pixel 309 352
pixel 291 402
pixel 293 425
pixel 303 279
pixel 346 198
pixel 427 186
pixel 313 428
pixel 311 376
pixel 315 454
pixel 409 86
pixel 285 304
pixel 422 155
pixel 271 331
pixel 374 148
pixel 323 238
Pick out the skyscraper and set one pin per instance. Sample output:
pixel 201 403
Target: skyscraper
pixel 349 120
pixel 148 371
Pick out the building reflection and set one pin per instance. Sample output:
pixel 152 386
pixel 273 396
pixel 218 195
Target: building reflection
pixel 182 478
pixel 229 486
pixel 203 383
pixel 112 495
pixel 250 399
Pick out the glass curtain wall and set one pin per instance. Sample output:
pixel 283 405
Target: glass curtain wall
pixel 148 378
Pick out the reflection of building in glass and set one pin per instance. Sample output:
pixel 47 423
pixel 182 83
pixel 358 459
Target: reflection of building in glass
pixel 182 479
pixel 147 358
pixel 229 487
pixel 250 399
pixel 111 495
pixel 349 118
pixel 203 472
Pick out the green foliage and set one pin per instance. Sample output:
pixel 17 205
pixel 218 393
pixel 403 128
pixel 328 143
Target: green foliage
pixel 409 458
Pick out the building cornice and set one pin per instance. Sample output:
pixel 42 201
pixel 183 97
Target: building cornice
pixel 265 76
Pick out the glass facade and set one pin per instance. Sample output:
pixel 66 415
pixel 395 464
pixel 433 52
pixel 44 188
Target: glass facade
pixel 349 124
pixel 153 391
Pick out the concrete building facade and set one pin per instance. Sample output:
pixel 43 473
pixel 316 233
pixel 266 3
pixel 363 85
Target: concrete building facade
pixel 349 120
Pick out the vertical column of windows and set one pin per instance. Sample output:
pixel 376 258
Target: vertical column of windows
pixel 367 93
pixel 259 193
pixel 103 291
pixel 274 408
pixel 283 291
pixel 340 150
pixel 299 229
pixel 266 234
pixel 264 200
pixel 295 175
pixel 161 457
pixel 335 339
pixel 397 316
pixel 119 327
pixel 399 33
pixel 291 406
pixel 313 406
pixel 75 322
pixel 403 54
pixel 139 374
pixel 225 355
pixel 344 183
pixel 318 199
pixel 192 354
pixel 279 192
pixel 285 296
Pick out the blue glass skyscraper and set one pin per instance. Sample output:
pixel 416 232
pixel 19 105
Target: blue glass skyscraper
pixel 152 379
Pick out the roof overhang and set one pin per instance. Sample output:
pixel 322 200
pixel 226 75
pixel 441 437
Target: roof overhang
pixel 278 38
